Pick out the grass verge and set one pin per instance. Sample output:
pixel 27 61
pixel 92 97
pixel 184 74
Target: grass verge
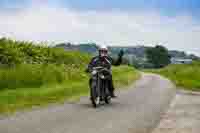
pixel 186 76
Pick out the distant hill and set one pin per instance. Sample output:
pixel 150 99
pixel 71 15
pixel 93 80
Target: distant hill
pixel 88 48
pixel 136 51
pixel 92 48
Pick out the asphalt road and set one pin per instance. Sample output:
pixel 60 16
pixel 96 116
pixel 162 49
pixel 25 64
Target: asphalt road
pixel 136 110
pixel 183 114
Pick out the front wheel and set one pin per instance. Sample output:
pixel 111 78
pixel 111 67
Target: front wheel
pixel 95 99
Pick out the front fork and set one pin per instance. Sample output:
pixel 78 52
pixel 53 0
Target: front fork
pixel 95 85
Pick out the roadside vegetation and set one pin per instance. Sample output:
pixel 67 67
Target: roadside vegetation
pixel 183 75
pixel 158 57
pixel 36 75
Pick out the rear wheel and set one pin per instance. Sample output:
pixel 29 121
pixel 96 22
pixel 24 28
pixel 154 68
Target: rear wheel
pixel 107 94
pixel 108 99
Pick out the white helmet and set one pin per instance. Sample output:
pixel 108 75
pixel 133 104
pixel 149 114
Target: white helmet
pixel 103 50
pixel 103 47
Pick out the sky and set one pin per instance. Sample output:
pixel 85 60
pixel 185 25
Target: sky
pixel 172 23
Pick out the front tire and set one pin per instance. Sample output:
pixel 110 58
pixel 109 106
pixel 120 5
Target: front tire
pixel 95 99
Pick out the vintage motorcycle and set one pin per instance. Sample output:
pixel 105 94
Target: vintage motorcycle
pixel 99 84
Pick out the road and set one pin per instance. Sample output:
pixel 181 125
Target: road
pixel 136 110
pixel 183 114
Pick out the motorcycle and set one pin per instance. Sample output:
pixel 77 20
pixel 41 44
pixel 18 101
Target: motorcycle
pixel 99 90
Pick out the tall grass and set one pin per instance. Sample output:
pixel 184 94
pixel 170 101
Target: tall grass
pixel 183 75
pixel 75 85
pixel 124 75
pixel 28 75
pixel 25 64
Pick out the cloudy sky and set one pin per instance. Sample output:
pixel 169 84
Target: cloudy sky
pixel 172 23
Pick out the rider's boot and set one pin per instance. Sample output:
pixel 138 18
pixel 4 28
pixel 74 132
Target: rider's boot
pixel 113 95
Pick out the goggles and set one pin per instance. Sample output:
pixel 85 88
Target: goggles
pixel 103 51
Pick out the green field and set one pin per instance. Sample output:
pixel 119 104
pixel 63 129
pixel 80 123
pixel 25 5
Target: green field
pixel 37 75
pixel 183 75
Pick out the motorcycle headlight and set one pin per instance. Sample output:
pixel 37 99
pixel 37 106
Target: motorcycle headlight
pixel 102 76
pixel 94 72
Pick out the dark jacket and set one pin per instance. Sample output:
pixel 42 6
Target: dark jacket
pixel 104 62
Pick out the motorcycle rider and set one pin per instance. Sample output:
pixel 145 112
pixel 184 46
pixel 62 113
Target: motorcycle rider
pixel 103 59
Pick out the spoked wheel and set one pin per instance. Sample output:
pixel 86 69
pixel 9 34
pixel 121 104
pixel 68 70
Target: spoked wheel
pixel 95 99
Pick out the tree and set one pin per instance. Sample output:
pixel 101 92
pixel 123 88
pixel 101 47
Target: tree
pixel 158 56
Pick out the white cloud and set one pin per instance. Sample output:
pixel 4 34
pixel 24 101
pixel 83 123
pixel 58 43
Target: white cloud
pixel 53 23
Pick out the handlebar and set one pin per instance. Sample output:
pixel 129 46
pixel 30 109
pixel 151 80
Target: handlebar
pixel 99 69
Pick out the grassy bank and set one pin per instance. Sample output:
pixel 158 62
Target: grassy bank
pixel 183 75
pixel 55 90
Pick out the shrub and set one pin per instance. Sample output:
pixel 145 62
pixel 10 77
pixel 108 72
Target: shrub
pixel 17 52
